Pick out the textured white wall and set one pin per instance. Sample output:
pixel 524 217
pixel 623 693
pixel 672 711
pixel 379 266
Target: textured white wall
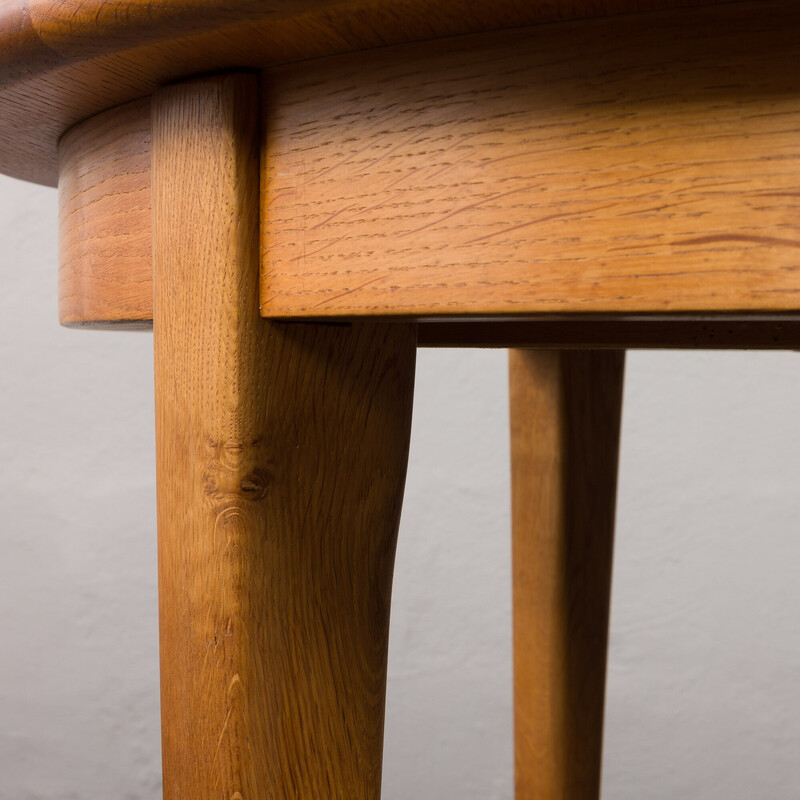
pixel 704 683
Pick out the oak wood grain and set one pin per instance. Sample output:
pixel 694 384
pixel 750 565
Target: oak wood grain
pixel 640 164
pixel 281 455
pixel 671 192
pixel 565 425
pixel 105 271
pixel 62 62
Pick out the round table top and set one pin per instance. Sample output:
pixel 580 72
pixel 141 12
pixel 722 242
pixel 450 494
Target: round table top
pixel 62 61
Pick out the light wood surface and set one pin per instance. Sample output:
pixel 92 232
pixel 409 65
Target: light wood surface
pixel 105 271
pixel 281 455
pixel 640 164
pixel 105 235
pixel 668 187
pixel 62 62
pixel 565 425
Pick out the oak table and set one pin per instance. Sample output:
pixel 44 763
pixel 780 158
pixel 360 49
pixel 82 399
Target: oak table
pixel 296 194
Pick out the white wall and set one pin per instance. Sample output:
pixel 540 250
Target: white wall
pixel 704 684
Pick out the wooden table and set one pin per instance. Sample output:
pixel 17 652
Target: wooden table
pixel 298 194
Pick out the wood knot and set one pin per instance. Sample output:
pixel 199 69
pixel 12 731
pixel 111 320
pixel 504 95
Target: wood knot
pixel 255 485
pixel 231 474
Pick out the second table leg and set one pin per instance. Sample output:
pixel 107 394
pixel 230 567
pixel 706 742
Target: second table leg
pixel 565 425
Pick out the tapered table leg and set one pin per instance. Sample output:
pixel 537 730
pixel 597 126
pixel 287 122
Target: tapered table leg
pixel 281 462
pixel 565 425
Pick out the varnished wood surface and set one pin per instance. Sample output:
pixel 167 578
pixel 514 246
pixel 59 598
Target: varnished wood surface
pixel 281 454
pixel 671 190
pixel 62 62
pixel 105 235
pixel 565 425
pixel 105 273
pixel 640 164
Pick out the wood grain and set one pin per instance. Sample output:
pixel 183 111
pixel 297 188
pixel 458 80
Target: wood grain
pixel 565 424
pixel 281 454
pixel 62 62
pixel 105 270
pixel 642 164
pixel 679 234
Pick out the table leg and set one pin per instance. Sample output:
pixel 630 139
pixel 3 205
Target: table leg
pixel 281 458
pixel 565 424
